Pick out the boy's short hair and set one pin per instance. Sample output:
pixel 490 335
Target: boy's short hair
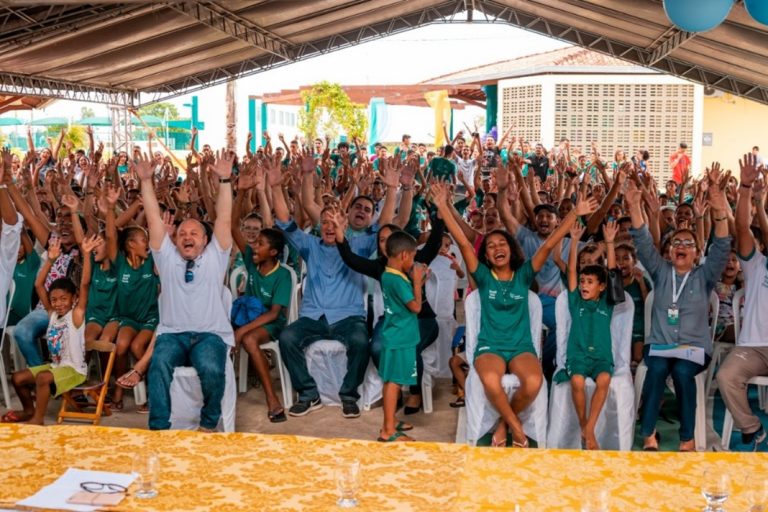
pixel 400 242
pixel 275 239
pixel 63 283
pixel 597 271
pixel 629 248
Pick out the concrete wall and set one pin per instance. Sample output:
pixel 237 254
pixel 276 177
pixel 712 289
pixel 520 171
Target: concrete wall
pixel 736 124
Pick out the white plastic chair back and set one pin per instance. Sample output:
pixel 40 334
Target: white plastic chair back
pixel 4 317
pixel 615 427
pixel 238 280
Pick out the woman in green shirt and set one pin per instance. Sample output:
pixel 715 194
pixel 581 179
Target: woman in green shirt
pixel 504 343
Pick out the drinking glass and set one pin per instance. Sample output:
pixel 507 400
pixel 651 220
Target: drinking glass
pixel 715 487
pixel 146 466
pixel 347 482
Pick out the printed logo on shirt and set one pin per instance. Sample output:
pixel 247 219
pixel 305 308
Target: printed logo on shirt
pixel 491 294
pixel 146 276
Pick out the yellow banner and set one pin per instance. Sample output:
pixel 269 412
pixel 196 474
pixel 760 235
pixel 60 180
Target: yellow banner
pixel 439 102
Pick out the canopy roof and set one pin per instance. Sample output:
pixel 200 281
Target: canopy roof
pixel 111 51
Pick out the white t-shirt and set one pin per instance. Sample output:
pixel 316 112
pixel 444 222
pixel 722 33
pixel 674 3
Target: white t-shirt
pixel 467 169
pixel 754 327
pixel 197 306
pixel 9 252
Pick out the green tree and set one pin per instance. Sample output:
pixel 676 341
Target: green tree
pixel 158 110
pixel 86 112
pixel 329 111
pixel 74 134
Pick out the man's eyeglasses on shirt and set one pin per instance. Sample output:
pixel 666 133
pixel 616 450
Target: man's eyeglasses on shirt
pixel 189 275
pixel 687 244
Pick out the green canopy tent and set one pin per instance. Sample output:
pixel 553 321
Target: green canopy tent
pixel 10 121
pixel 149 120
pixel 94 121
pixel 50 121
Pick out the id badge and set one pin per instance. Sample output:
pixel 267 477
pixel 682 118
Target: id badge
pixel 673 315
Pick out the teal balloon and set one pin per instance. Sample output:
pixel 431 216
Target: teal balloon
pixel 699 15
pixel 758 9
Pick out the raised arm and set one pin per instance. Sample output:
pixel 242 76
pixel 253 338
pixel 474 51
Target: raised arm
pixel 56 147
pixel 146 172
pixel 275 182
pixel 595 220
pixel 505 211
pixel 745 243
pixel 365 266
pixel 111 196
pixel 7 211
pixel 439 193
pixel 584 206
pixel 307 189
pixel 87 246
pixel 222 227
pixel 577 230
pixel 54 251
pixel 609 235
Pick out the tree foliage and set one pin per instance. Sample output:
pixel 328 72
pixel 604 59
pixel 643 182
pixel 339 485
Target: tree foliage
pixel 74 134
pixel 329 111
pixel 158 110
pixel 86 112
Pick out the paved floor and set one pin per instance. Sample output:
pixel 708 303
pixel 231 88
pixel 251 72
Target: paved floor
pixel 327 422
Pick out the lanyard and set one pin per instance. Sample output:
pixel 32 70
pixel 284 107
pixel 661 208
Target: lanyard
pixel 675 293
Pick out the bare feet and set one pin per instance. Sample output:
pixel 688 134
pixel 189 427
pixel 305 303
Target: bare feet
pixel 591 441
pixel 499 438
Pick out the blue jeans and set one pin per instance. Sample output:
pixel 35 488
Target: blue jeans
pixel 549 349
pixel 207 354
pixel 351 332
pixel 428 331
pixel 27 332
pixel 683 376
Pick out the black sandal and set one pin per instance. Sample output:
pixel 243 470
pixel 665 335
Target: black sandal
pixel 459 402
pixel 277 416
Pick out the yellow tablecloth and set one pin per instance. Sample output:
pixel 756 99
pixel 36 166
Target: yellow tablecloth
pixel 226 472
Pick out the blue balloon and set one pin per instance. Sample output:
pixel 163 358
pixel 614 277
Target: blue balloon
pixel 698 15
pixel 758 9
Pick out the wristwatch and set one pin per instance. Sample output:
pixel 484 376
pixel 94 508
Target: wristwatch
pixel 225 180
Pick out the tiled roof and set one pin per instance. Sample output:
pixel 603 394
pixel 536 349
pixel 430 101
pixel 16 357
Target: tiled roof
pixel 571 57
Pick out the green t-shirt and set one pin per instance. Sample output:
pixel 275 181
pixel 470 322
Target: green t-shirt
pixel 272 288
pixel 638 321
pixel 102 293
pixel 418 214
pixel 504 320
pixel 590 334
pixel 24 275
pixel 137 290
pixel 461 205
pixel 401 326
pixel 443 169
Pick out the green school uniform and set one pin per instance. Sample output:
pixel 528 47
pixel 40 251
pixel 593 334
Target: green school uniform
pixel 400 330
pixel 24 275
pixel 274 287
pixel 137 292
pixel 102 295
pixel 505 325
pixel 589 351
pixel 638 321
pixel 443 169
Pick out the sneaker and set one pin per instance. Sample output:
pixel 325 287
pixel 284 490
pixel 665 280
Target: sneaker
pixel 349 409
pixel 758 443
pixel 304 407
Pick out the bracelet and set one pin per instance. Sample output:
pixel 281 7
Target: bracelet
pixel 406 189
pixel 718 219
pixel 746 186
pixel 225 180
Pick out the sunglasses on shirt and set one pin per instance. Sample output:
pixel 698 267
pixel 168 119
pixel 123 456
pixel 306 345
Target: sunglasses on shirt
pixel 189 274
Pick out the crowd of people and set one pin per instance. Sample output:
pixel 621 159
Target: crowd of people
pixel 138 248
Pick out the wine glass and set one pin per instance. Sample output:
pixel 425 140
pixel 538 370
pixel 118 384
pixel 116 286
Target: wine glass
pixel 715 487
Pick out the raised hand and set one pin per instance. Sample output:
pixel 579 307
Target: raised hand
pixel 438 193
pixel 90 243
pixel 749 169
pixel 71 202
pixel 610 229
pixel 577 231
pixel 274 173
pixel 392 177
pixel 418 273
pixel 7 161
pixel 585 205
pixel 700 206
pixel 409 171
pixel 307 161
pixel 168 223
pixel 224 162
pixel 339 221
pixel 502 177
pixel 54 247
pixel 144 167
pixel 633 194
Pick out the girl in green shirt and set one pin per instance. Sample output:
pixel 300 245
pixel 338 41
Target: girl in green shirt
pixel 504 344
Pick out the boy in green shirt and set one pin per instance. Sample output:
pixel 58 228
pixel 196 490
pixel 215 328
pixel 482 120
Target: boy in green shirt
pixel 400 330
pixel 590 350
pixel 271 284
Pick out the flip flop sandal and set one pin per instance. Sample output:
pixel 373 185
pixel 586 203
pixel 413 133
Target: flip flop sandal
pixel 403 427
pixel 142 409
pixel 498 444
pixel 277 416
pixel 14 417
pixel 459 402
pixel 116 405
pixel 393 438
pixel 515 444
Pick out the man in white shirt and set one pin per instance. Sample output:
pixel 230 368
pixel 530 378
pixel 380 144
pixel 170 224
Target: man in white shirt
pixel 194 320
pixel 750 356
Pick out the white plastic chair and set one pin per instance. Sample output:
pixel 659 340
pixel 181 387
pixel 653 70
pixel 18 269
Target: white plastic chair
pixel 721 349
pixel 3 374
pixel 761 381
pixel 700 430
pixel 187 394
pixel 293 315
pixel 616 425
pixel 479 416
